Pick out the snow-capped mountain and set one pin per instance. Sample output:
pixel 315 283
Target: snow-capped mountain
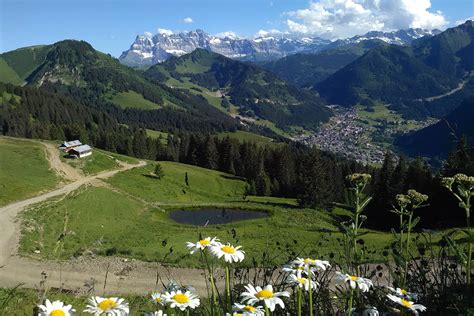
pixel 150 49
pixel 400 37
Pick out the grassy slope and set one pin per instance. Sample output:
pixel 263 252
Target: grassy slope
pixel 24 170
pixel 7 74
pixel 156 134
pixel 25 60
pixel 133 218
pixel 244 136
pixel 205 186
pixel 132 99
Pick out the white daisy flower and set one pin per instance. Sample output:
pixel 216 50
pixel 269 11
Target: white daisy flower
pixel 308 262
pixel 370 311
pixel 157 313
pixel 158 298
pixel 403 293
pixel 302 282
pixel 181 300
pixel 56 308
pixel 408 304
pixel 247 310
pixel 107 306
pixel 201 244
pixel 354 281
pixel 270 298
pixel 298 270
pixel 229 252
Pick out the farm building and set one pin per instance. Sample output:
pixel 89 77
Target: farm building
pixel 66 146
pixel 80 151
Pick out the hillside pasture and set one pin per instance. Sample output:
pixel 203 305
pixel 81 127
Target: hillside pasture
pixel 131 219
pixel 24 170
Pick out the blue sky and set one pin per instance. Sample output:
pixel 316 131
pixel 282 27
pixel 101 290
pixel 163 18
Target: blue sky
pixel 111 25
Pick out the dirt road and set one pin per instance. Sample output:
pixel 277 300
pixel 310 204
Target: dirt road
pixel 64 170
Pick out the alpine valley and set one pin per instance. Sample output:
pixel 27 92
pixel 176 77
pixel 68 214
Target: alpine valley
pixel 200 173
pixel 368 93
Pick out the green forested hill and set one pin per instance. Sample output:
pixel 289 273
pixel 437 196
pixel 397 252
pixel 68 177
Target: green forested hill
pixel 439 139
pixel 17 65
pixel 386 73
pixel 306 70
pixel 430 67
pixel 76 70
pixel 252 90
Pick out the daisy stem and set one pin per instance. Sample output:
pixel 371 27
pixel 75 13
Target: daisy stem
pixel 407 250
pixel 299 301
pixel 211 279
pixel 267 312
pixel 227 285
pixel 310 290
pixel 469 232
pixel 349 306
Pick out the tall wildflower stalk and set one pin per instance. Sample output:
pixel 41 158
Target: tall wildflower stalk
pixel 406 205
pixel 462 187
pixel 356 185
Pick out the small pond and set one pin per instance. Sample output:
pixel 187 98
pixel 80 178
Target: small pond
pixel 212 216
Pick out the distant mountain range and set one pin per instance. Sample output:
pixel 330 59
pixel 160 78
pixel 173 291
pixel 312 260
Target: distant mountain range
pixel 391 74
pixel 151 49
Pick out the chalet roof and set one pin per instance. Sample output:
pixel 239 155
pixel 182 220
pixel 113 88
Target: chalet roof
pixel 82 149
pixel 71 143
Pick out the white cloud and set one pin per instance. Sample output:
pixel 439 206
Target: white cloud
pixel 345 18
pixel 271 32
pixel 165 32
pixel 229 34
pixel 188 20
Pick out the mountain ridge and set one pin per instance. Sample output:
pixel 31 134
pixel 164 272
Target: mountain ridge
pixel 389 73
pixel 150 49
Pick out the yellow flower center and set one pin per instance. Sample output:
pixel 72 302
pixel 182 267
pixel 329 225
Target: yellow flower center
pixel 354 278
pixel 404 292
pixel 264 294
pixel 301 280
pixel 228 249
pixel 406 303
pixel 238 314
pixel 308 260
pixel 181 298
pixel 249 308
pixel 57 312
pixel 158 299
pixel 107 305
pixel 204 242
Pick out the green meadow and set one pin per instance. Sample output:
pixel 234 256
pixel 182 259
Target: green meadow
pixel 130 218
pixel 132 99
pixel 244 136
pixel 24 170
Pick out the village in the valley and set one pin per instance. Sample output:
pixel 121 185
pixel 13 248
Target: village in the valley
pixel 355 137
